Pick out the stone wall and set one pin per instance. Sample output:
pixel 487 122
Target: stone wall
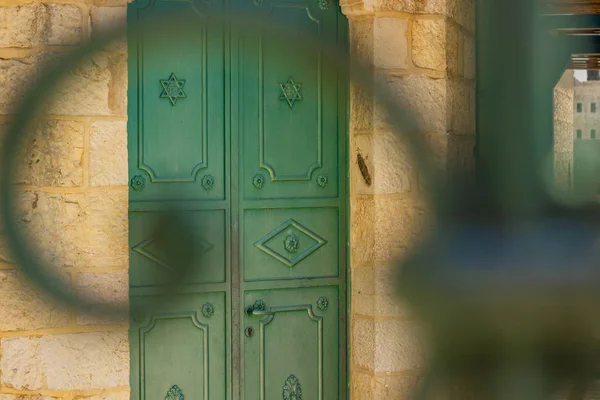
pixel 73 201
pixel 426 48
pixel 564 131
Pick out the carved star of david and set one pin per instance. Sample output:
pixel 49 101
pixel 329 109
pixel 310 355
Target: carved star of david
pixel 172 88
pixel 290 91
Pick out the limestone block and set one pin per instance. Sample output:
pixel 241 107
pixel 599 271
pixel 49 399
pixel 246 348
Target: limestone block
pixel 462 12
pixel 363 291
pixel 84 90
pixel 461 94
pixel 394 387
pixel 399 225
pixel 390 42
pixel 52 155
pixel 399 346
pixel 64 24
pixel 362 250
pixel 429 43
pixel 111 3
pixel 6 396
pixel 361 386
pixel 20 363
pixel 387 302
pixel 361 107
pixel 117 88
pixel 469 57
pixel 124 395
pixel 105 19
pixel 108 153
pixel 563 104
pixel 412 6
pixel 83 230
pixel 85 360
pixel 38 24
pixel 563 137
pixel 388 161
pixel 104 288
pixel 15 77
pixel 18 25
pixel 454 51
pixel 361 39
pixel 461 155
pixel 363 343
pixel 425 97
pixel 25 306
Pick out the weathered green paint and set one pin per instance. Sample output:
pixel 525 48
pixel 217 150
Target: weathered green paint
pixel 249 137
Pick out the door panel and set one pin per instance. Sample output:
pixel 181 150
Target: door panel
pixel 180 344
pixel 149 267
pixel 289 109
pixel 295 346
pixel 290 243
pixel 180 138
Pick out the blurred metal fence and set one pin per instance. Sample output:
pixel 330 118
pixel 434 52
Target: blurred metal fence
pixel 508 285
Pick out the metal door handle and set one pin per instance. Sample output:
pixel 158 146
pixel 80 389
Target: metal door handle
pixel 258 308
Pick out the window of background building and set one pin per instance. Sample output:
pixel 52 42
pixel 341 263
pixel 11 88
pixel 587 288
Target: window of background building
pixel 593 107
pixel 593 134
pixel 579 107
pixel 578 133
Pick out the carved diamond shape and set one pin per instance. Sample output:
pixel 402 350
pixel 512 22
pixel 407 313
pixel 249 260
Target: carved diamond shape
pixel 145 249
pixel 274 243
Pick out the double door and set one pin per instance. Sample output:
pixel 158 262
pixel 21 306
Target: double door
pixel 246 137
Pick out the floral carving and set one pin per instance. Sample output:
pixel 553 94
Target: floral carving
pixel 174 393
pixel 322 180
pixel 208 182
pixel 291 243
pixel 322 303
pixel 138 182
pixel 324 4
pixel 258 181
pixel 208 310
pixel 292 390
pixel 259 305
pixel 258 3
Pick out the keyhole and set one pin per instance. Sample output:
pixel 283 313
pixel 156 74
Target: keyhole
pixel 249 331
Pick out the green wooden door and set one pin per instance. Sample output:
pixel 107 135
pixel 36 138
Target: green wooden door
pixel 248 137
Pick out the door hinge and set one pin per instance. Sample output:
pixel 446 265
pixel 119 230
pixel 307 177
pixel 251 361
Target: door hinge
pixel 235 222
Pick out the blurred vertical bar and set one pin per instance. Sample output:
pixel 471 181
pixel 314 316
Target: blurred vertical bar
pixel 507 159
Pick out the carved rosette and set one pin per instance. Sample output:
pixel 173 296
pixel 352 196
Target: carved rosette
pixel 259 305
pixel 292 390
pixel 208 182
pixel 138 182
pixel 258 181
pixel 174 393
pixel 322 303
pixel 322 180
pixel 324 4
pixel 291 243
pixel 208 310
pixel 139 315
pixel 258 3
